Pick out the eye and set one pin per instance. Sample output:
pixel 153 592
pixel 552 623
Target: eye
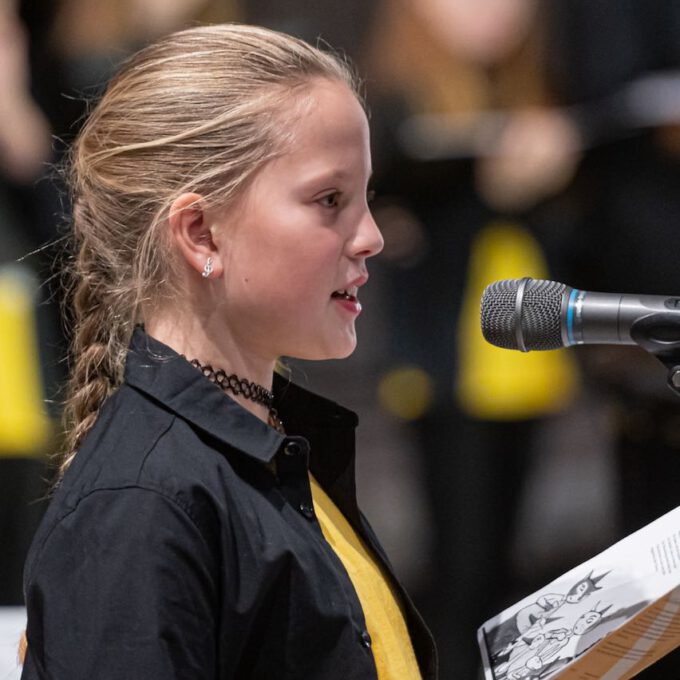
pixel 330 200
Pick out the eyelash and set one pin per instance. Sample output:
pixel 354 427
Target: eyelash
pixel 335 195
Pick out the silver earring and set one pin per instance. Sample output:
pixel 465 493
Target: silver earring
pixel 208 268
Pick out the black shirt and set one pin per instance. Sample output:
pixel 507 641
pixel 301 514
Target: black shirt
pixel 172 549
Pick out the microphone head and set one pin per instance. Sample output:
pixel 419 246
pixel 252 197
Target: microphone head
pixel 536 320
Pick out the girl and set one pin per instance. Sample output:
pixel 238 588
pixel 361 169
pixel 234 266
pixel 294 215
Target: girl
pixel 205 523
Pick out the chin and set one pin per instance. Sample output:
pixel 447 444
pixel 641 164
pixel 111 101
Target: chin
pixel 336 350
pixel 342 350
pixel 346 353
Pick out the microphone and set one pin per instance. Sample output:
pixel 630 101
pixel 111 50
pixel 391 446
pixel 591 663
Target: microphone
pixel 532 314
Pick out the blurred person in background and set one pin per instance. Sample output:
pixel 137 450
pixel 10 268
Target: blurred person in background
pixel 618 65
pixel 25 149
pixel 25 142
pixel 471 153
pixel 531 86
pixel 629 190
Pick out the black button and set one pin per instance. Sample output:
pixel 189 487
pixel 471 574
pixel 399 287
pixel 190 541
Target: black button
pixel 292 449
pixel 365 639
pixel 307 510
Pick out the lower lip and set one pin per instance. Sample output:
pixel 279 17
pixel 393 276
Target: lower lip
pixel 352 306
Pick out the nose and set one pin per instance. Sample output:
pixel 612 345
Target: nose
pixel 367 241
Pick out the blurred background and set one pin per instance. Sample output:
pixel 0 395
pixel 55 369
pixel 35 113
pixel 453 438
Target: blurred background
pixel 511 138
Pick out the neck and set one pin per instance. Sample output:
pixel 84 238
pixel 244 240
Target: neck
pixel 196 340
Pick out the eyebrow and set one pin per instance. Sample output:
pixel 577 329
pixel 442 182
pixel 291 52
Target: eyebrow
pixel 333 175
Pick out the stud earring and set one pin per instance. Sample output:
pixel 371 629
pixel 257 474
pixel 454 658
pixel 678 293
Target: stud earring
pixel 208 268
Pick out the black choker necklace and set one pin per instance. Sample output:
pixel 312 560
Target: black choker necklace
pixel 242 387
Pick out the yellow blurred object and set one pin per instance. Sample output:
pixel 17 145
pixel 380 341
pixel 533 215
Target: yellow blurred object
pixel 24 425
pixel 406 391
pixel 500 384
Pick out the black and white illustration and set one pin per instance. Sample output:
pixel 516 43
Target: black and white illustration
pixel 616 613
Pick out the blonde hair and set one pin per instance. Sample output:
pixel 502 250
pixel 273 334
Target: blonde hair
pixel 199 111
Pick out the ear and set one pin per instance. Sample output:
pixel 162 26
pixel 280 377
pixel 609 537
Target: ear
pixel 190 232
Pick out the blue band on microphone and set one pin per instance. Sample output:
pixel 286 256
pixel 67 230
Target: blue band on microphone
pixel 570 316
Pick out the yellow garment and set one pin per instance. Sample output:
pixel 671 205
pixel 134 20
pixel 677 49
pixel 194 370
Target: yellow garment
pixel 501 384
pixel 391 643
pixel 24 426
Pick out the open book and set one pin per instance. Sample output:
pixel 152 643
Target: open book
pixel 608 618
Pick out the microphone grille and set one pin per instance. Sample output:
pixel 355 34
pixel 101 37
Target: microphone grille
pixel 541 310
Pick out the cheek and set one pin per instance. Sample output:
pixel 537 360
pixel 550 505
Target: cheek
pixel 311 268
pixel 280 288
pixel 285 263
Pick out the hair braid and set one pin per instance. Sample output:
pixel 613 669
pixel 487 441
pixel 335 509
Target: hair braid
pixel 103 321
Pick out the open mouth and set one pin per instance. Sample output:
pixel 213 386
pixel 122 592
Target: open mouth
pixel 344 295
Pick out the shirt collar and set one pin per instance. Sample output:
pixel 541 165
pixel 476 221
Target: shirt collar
pixel 165 375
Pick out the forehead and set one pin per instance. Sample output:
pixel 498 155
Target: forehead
pixel 326 140
pixel 326 119
pixel 329 104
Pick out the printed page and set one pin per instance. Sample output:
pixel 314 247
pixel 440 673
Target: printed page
pixel 620 603
pixel 651 634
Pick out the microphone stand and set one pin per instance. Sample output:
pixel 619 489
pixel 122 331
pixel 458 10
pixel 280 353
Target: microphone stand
pixel 660 336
